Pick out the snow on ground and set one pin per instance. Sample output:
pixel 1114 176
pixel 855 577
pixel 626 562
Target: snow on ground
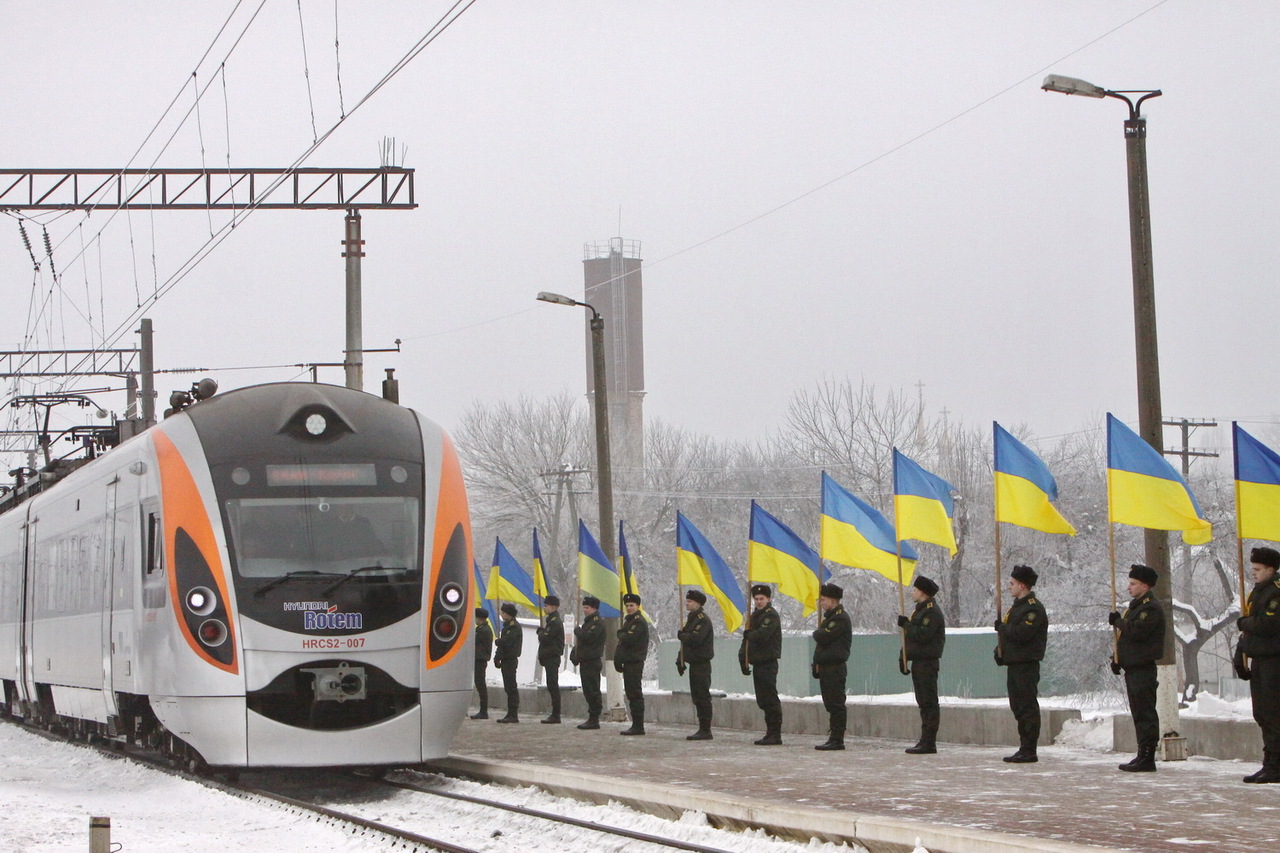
pixel 51 789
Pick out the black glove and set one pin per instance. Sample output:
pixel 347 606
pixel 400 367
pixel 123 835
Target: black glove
pixel 998 656
pixel 617 664
pixel 903 621
pixel 680 667
pixel 902 666
pixel 999 624
pixel 541 631
pixel 1113 617
pixel 1116 668
pixel 813 670
pixel 746 669
pixel 1240 623
pixel 497 662
pixel 573 656
pixel 1241 665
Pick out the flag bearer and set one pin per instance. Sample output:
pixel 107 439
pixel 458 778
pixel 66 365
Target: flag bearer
pixel 832 642
pixel 550 650
pixel 484 648
pixel 506 657
pixel 697 648
pixel 1023 633
pixel 1260 647
pixel 759 654
pixel 588 654
pixel 1141 644
pixel 628 659
pixel 926 634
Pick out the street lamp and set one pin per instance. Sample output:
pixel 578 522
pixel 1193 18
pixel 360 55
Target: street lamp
pixel 1150 425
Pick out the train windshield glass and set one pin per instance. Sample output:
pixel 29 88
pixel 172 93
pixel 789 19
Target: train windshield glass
pixel 375 536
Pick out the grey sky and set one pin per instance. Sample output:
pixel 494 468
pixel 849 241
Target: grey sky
pixel 987 259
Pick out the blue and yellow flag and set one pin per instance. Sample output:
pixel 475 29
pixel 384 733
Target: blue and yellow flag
pixel 777 555
pixel 541 587
pixel 922 504
pixel 699 564
pixel 626 581
pixel 1257 473
pixel 508 581
pixel 1024 487
pixel 481 599
pixel 596 575
pixel 1143 490
pixel 855 534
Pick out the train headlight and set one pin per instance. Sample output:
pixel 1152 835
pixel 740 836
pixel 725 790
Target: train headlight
pixel 201 601
pixel 213 632
pixel 445 628
pixel 316 423
pixel 452 596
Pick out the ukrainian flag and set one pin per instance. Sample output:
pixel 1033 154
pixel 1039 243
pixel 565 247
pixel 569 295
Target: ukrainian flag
pixel 596 575
pixel 480 594
pixel 1024 487
pixel 1257 473
pixel 698 564
pixel 777 555
pixel 855 534
pixel 541 587
pixel 922 504
pixel 1143 490
pixel 508 581
pixel 626 581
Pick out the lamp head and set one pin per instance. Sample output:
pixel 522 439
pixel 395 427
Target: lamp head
pixel 556 299
pixel 1072 86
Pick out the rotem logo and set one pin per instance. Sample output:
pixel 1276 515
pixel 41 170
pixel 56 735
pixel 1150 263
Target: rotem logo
pixel 330 620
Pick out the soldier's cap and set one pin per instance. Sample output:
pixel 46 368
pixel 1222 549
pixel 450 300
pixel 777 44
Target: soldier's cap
pixel 1265 556
pixel 509 608
pixel 631 598
pixel 1025 575
pixel 926 586
pixel 552 599
pixel 762 589
pixel 696 595
pixel 1142 573
pixel 830 590
pixel 591 601
pixel 481 613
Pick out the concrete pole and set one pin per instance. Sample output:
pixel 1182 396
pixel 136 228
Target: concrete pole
pixel 353 356
pixel 99 835
pixel 147 375
pixel 604 485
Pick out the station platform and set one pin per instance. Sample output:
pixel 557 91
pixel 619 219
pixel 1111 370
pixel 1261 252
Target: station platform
pixel 962 800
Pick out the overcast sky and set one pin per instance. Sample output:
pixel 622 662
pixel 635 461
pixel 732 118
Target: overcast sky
pixel 821 189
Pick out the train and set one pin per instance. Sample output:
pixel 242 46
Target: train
pixel 276 576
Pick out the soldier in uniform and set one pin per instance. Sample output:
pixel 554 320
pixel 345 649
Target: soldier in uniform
pixel 925 634
pixel 1260 647
pixel 832 641
pixel 506 657
pixel 1140 645
pixel 628 659
pixel 484 648
pixel 697 648
pixel 588 654
pixel 1023 633
pixel 759 654
pixel 550 650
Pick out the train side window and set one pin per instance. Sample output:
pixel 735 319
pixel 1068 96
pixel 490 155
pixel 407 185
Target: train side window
pixel 155 545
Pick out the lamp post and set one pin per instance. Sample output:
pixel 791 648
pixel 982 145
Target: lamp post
pixel 604 475
pixel 1147 355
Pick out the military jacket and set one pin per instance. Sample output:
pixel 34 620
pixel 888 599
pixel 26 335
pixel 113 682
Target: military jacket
pixel 633 639
pixel 697 638
pixel 1260 625
pixel 551 638
pixel 509 643
pixel 926 633
pixel 1024 631
pixel 833 638
pixel 762 638
pixel 484 640
pixel 1141 632
pixel 590 639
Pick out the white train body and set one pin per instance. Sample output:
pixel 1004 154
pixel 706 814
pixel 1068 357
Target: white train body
pixel 278 576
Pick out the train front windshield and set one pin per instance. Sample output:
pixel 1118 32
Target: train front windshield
pixel 372 536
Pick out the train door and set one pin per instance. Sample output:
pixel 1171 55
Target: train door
pixel 107 609
pixel 26 676
pixel 125 579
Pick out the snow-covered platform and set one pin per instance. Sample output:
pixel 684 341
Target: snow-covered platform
pixel 962 800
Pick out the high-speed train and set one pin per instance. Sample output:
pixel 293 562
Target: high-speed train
pixel 278 576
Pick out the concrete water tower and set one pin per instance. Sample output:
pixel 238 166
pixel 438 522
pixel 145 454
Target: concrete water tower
pixel 615 289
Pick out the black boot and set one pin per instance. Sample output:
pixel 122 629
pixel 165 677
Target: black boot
pixel 554 718
pixel 482 714
pixel 772 737
pixel 703 732
pixel 511 717
pixel 637 728
pixel 1270 772
pixel 590 723
pixel 1026 753
pixel 925 746
pixel 1143 762
pixel 834 742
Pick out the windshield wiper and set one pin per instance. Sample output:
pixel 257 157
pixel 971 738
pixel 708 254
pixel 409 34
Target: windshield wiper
pixel 272 584
pixel 340 581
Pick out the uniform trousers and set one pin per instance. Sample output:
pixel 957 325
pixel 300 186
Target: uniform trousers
pixel 551 669
pixel 482 668
pixel 700 690
pixel 509 685
pixel 1264 688
pixel 1140 683
pixel 1023 681
pixel 765 678
pixel 589 671
pixel 924 681
pixel 831 677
